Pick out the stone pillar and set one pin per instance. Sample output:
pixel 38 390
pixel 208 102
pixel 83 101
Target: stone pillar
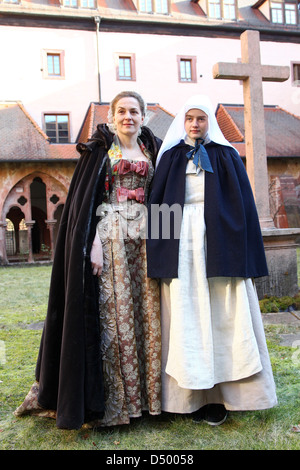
pixel 3 254
pixel 29 224
pixel 281 253
pixel 50 226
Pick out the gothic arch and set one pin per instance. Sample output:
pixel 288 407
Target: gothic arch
pixel 40 197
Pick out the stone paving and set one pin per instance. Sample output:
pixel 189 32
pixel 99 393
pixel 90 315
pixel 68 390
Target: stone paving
pixel 287 318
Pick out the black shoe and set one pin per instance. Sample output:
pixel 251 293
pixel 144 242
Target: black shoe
pixel 199 415
pixel 215 414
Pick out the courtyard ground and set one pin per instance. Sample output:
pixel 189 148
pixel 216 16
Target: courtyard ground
pixel 23 304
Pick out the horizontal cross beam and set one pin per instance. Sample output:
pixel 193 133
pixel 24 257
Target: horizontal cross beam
pixel 241 71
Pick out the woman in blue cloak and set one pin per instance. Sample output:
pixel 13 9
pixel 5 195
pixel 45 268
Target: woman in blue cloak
pixel 214 353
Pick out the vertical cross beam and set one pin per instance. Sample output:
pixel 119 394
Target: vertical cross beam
pixel 252 73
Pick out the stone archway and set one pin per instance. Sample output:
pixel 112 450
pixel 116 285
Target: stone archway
pixel 40 236
pixel 16 239
pixel 39 198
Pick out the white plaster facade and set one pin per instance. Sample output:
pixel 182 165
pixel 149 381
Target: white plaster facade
pixel 22 66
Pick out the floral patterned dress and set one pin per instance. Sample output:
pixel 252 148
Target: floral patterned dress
pixel 129 303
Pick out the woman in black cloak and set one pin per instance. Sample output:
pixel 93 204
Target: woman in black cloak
pixel 99 358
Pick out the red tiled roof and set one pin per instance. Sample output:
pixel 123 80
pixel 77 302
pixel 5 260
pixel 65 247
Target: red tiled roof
pixel 228 126
pixel 23 140
pixel 63 152
pixel 281 127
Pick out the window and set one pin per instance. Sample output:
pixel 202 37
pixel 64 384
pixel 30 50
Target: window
pixel 79 3
pixel 154 6
pixel 276 13
pixel 226 9
pixel 53 64
pixel 290 13
pixel 88 3
pixel 229 9
pixel 284 12
pixel 70 3
pixel 145 6
pixel 126 67
pixel 296 74
pixel 57 127
pixel 187 69
pixel 161 6
pixel 214 8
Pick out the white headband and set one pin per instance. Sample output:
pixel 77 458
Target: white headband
pixel 176 131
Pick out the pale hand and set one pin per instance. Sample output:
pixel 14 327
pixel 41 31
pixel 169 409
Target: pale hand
pixel 97 256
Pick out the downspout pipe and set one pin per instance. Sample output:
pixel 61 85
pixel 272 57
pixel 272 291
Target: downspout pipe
pixel 97 20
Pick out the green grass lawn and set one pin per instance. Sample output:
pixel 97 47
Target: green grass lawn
pixel 23 303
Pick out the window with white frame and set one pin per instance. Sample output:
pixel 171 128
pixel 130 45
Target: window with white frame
pixel 79 3
pixel 290 13
pixel 57 127
pixel 53 64
pixel 161 6
pixel 126 67
pixel 154 6
pixel 229 9
pixel 186 69
pixel 145 6
pixel 276 12
pixel 226 9
pixel 70 3
pixel 214 8
pixel 284 12
pixel 87 3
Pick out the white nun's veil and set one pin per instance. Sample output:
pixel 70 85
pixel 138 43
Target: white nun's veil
pixel 176 131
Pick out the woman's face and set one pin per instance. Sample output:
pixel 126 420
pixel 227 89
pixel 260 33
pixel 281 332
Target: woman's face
pixel 128 116
pixel 196 124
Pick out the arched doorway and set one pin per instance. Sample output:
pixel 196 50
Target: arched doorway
pixel 13 242
pixel 40 235
pixel 16 237
pixel 36 202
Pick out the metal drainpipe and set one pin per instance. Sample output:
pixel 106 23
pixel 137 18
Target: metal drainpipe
pixel 97 22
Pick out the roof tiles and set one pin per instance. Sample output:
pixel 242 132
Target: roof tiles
pixel 159 120
pixel 281 127
pixel 23 140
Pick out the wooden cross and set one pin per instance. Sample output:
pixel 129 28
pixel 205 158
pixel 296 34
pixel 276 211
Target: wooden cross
pixel 253 74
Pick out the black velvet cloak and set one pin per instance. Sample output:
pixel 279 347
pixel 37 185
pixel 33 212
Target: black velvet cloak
pixel 69 367
pixel 234 241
